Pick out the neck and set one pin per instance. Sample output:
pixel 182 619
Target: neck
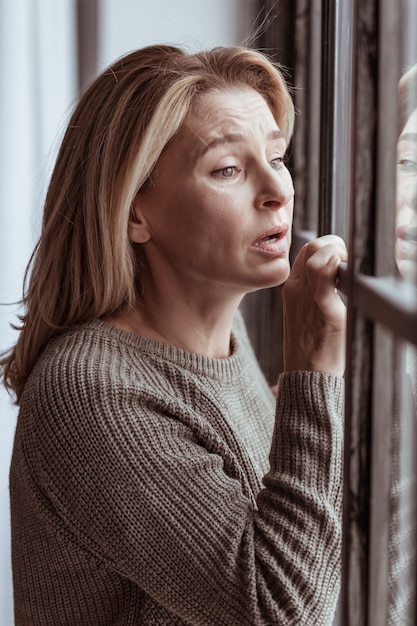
pixel 203 327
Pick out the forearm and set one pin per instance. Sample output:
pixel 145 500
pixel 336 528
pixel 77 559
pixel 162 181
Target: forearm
pixel 305 486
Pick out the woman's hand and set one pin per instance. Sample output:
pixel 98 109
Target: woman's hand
pixel 314 314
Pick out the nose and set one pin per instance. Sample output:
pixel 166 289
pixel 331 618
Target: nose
pixel 274 187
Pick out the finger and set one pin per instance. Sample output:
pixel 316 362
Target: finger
pixel 321 257
pixel 312 248
pixel 324 245
pixel 297 269
pixel 329 302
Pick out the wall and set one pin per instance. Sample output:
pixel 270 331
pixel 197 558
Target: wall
pixel 38 63
pixel 194 25
pixel 37 90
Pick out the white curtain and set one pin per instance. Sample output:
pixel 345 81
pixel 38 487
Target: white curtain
pixel 38 67
pixel 38 61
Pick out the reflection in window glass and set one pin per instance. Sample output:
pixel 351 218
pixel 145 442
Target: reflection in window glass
pixel 403 536
pixel 403 524
pixel 406 205
pixel 406 210
pixel 402 603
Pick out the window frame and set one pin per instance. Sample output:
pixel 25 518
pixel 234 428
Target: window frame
pixel 382 309
pixel 345 66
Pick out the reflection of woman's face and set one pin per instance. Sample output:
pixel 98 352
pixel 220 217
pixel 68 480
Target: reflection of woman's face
pixel 221 210
pixel 406 222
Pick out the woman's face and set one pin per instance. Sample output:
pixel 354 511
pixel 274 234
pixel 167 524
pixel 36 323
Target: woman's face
pixel 219 216
pixel 406 223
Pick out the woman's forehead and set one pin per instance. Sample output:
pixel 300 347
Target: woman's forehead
pixel 221 117
pixel 222 111
pixel 411 124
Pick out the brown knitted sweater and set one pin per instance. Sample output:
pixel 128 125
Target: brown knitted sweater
pixel 145 489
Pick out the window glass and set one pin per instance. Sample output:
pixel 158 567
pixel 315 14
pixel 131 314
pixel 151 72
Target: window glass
pixel 403 505
pixel 406 197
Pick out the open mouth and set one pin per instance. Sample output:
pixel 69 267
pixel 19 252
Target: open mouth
pixel 407 243
pixel 273 241
pixel 268 239
pixel 272 235
pixel 409 236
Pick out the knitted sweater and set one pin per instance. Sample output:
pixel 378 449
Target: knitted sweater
pixel 154 486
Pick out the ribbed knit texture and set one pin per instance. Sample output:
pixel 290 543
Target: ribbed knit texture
pixel 144 488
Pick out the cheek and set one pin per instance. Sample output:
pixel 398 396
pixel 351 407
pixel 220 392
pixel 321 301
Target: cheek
pixel 289 209
pixel 289 181
pixel 407 190
pixel 404 216
pixel 411 195
pixel 205 221
pixel 402 201
pixel 399 207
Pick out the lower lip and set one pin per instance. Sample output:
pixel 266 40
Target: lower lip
pixel 407 248
pixel 276 248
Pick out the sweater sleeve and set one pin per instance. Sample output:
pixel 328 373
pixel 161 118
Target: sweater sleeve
pixel 303 490
pixel 135 483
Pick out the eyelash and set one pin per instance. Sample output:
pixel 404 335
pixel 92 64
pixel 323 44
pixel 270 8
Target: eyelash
pixel 281 162
pixel 408 166
pixel 222 172
pixel 236 170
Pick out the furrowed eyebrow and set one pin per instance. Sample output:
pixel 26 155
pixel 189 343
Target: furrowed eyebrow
pixel 223 139
pixel 408 137
pixel 236 138
pixel 276 134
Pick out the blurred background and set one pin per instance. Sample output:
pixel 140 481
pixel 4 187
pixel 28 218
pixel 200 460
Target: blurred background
pixel 49 51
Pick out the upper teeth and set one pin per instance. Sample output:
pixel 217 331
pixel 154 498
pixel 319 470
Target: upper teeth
pixel 266 239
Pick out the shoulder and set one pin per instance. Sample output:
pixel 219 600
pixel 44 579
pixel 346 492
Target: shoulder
pixel 82 367
pixel 81 350
pixel 89 392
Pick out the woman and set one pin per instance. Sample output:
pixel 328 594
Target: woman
pixel 403 532
pixel 150 481
pixel 406 242
pixel 406 204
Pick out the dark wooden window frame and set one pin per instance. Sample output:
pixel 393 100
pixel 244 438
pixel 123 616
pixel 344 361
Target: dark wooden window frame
pixel 344 165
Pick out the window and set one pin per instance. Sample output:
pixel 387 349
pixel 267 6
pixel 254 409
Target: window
pixel 346 58
pixel 379 565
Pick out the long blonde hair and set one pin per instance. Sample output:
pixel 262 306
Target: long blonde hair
pixel 83 266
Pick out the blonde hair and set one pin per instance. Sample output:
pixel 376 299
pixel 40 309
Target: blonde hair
pixel 407 96
pixel 84 266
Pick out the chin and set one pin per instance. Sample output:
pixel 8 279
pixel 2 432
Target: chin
pixel 408 270
pixel 281 276
pixel 274 279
